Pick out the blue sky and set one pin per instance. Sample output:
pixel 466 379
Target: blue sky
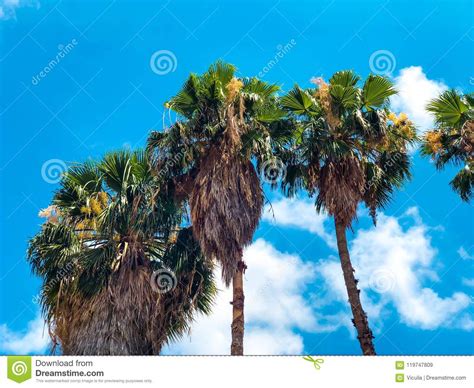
pixel 102 94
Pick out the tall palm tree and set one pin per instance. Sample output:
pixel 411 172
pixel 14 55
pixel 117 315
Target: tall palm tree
pixel 120 276
pixel 347 151
pixel 453 139
pixel 224 123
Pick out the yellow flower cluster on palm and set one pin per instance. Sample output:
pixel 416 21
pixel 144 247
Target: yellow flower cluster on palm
pixel 324 97
pixel 91 211
pixel 95 205
pixel 86 210
pixel 403 123
pixel 233 88
pixel 103 198
pixel 85 228
pixel 433 141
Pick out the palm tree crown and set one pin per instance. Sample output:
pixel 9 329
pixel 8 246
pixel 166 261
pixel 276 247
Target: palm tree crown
pixel 347 148
pixel 107 230
pixel 225 123
pixel 453 139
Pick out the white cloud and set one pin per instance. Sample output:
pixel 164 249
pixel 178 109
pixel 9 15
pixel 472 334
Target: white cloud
pixel 276 308
pixel 264 341
pixel 393 264
pixel 300 214
pixel 35 340
pixel 466 323
pixel 286 296
pixel 415 90
pixel 8 7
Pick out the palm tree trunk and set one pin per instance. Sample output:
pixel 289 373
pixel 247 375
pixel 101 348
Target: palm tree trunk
pixel 237 346
pixel 364 334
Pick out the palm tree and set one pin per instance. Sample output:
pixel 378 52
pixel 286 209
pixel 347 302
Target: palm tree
pixel 224 123
pixel 346 150
pixel 453 139
pixel 120 276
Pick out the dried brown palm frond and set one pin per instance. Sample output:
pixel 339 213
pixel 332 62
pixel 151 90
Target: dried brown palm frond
pixel 128 316
pixel 341 187
pixel 120 316
pixel 467 138
pixel 323 95
pixel 226 201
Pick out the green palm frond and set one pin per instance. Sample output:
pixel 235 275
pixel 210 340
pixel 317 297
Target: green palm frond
pixel 376 92
pixel 344 97
pixel 254 86
pixel 221 71
pixel 384 175
pixel 463 183
pixel 448 109
pixel 185 102
pixel 344 92
pixel 299 102
pixel 452 141
pixel 345 79
pixel 116 168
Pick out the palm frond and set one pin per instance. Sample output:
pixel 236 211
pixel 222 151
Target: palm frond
pixel 299 102
pixel 448 109
pixel 376 92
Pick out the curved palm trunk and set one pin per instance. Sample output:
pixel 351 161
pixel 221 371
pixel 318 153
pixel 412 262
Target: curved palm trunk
pixel 364 334
pixel 237 346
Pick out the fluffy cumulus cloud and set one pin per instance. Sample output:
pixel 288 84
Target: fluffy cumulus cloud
pixel 34 340
pixel 8 7
pixel 286 296
pixel 415 90
pixel 299 214
pixel 276 310
pixel 394 265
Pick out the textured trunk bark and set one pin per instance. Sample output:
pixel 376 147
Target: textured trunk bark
pixel 364 334
pixel 237 346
